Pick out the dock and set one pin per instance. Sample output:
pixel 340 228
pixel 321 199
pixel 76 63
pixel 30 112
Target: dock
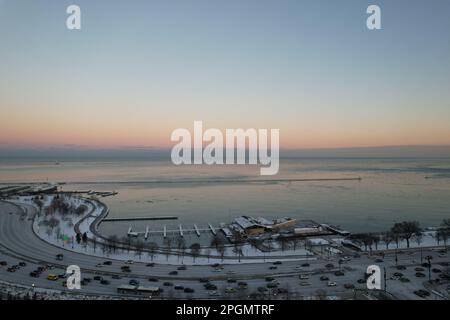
pixel 141 218
pixel 213 231
pixel 181 230
pixel 196 230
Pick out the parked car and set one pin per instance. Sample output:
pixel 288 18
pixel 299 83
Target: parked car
pixel 436 270
pixel 182 268
pixel 133 282
pixel 178 288
pixel 52 277
pixel 189 290
pixel 151 264
pixel 401 268
pixel 349 286
pixel 34 274
pixel 420 275
pixel 129 262
pixel 339 273
pixel 22 264
pixel 59 256
pixel 173 273
pixel 324 278
pixel 107 263
pixel 98 278
pixel 422 293
pixel 116 276
pixel 273 267
pixel 277 263
pixel 331 284
pixel 305 265
pixel 153 280
pixel 3 263
pixel 104 282
pixel 329 266
pixel 230 280
pixel 168 284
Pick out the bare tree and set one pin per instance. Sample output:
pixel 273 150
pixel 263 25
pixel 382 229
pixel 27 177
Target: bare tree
pixel 195 250
pixel 152 249
pixel 406 230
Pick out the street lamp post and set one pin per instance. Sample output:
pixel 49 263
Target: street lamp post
pixel 429 267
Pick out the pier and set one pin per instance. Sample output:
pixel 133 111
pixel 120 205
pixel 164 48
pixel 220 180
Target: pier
pixel 142 218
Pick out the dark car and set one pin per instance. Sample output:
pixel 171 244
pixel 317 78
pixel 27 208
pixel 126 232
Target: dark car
pixel 98 278
pixel 173 273
pixel 436 270
pixel 210 286
pixel 182 268
pixel 153 280
pixel 420 275
pixel 379 260
pixel 22 264
pixel 419 269
pixel 230 280
pixel 3 263
pixel 277 263
pixel 116 276
pixel 189 290
pixel 401 268
pixel 204 280
pixel 270 278
pixel 360 281
pixel 168 284
pixel 398 274
pixel 305 265
pixel 151 264
pixel 11 269
pixel 125 269
pixel 87 280
pixel 329 266
pixel 107 263
pixel 133 282
pixel 324 278
pixel 339 273
pixel 444 264
pixel 34 274
pixel 349 286
pixel 178 288
pixel 104 282
pixel 273 267
pixel 422 293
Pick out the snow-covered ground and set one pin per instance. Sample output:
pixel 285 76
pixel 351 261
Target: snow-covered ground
pixel 64 235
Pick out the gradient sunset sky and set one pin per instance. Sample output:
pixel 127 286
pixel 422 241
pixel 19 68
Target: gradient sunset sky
pixel 140 69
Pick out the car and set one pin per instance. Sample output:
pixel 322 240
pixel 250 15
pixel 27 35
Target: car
pixel 104 282
pixel 305 283
pixel 62 275
pixel 242 284
pixel 398 274
pixel 129 262
pixel 210 286
pixel 213 293
pixel 215 265
pixel 420 275
pixel 401 268
pixel 133 282
pixel 22 264
pixel 269 279
pixel 349 286
pixel 189 290
pixel 34 274
pixel 99 265
pixel 379 260
pixel 331 284
pixel 151 264
pixel 425 265
pixel 182 268
pixel 339 273
pixel 422 293
pixel 204 280
pixel 303 277
pixel 173 273
pixel 98 278
pixel 59 257
pixel 87 280
pixel 153 280
pixel 324 278
pixel 52 277
pixel 230 290
pixel 305 265
pixel 3 263
pixel 282 291
pixel 49 266
pixel 419 269
pixel 404 280
pixel 178 288
pixel 361 281
pixel 273 267
pixel 230 280
pixel 107 263
pixel 346 258
pixel 262 289
pixel 231 272
pixel 436 270
pixel 116 276
pixel 329 266
pixel 271 285
pixel 168 284
pixel 11 269
pixel 444 264
pixel 277 263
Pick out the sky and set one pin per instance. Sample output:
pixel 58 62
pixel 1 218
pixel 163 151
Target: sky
pixel 137 70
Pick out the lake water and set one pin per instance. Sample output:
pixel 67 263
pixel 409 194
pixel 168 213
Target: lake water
pixel 389 190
